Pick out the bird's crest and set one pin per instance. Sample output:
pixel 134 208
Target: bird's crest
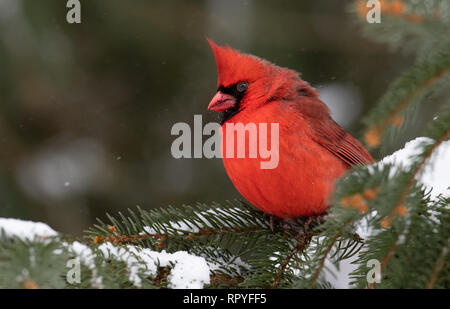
pixel 234 66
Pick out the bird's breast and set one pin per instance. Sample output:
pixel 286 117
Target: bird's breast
pixel 272 161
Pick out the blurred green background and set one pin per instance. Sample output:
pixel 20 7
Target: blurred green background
pixel 86 109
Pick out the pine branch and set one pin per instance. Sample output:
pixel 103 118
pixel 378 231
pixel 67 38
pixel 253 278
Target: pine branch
pixel 303 242
pixel 407 25
pixel 324 256
pixel 410 88
pixel 232 231
pixel 438 266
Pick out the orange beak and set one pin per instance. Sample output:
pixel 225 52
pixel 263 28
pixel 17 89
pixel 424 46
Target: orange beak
pixel 221 102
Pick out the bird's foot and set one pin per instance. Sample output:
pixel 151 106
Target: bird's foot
pixel 300 225
pixel 314 220
pixel 273 221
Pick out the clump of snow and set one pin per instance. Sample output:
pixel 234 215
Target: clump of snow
pixel 436 175
pixel 26 230
pixel 87 257
pixel 403 158
pixel 188 271
pixel 436 172
pixel 83 252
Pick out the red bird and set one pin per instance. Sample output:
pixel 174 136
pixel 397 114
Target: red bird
pixel 313 149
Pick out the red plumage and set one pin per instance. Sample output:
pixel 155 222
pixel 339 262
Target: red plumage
pixel 313 149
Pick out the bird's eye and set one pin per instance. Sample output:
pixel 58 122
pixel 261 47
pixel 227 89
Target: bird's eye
pixel 242 86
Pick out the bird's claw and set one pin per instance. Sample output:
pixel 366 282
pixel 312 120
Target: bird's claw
pixel 272 221
pixel 300 225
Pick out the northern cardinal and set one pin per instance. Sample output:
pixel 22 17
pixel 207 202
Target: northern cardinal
pixel 313 149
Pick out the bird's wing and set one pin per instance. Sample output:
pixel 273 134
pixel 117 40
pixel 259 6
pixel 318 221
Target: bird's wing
pixel 327 133
pixel 335 139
